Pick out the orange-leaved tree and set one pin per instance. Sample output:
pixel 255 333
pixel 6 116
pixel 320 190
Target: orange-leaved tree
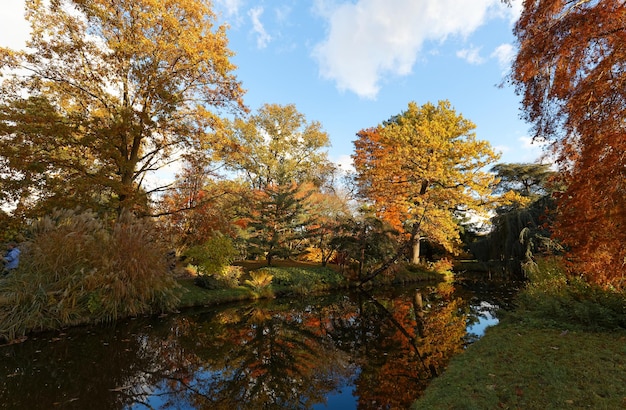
pixel 570 71
pixel 424 170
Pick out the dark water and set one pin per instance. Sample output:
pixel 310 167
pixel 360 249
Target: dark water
pixel 365 351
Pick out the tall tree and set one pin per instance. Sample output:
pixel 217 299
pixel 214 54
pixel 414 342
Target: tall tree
pixel 277 146
pixel 421 169
pixel 520 231
pixel 106 92
pixel 570 73
pixel 528 180
pixel 281 156
pixel 199 206
pixel 277 217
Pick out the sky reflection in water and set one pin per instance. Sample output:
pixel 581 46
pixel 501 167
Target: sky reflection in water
pixel 331 352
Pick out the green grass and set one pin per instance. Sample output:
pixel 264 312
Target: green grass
pixel 564 346
pixel 196 296
pixel 289 277
pixel 515 366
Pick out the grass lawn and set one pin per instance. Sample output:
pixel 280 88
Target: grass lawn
pixel 517 366
pixel 289 277
pixel 196 296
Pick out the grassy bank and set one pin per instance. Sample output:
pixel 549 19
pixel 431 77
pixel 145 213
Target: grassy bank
pixel 291 278
pixel 564 346
pixel 517 366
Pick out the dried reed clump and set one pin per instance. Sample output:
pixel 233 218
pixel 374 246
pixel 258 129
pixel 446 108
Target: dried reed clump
pixel 79 269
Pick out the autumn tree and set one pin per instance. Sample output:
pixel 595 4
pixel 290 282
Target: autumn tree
pixel 281 156
pixel 422 169
pixel 570 73
pixel 329 215
pixel 200 205
pixel 107 92
pixel 277 146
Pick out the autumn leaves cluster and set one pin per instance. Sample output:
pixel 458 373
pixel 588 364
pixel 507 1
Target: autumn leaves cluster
pixel 108 92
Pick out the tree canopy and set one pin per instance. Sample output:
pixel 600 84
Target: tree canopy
pixel 422 169
pixel 278 146
pixel 106 92
pixel 570 72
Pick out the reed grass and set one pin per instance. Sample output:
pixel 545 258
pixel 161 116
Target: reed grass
pixel 76 269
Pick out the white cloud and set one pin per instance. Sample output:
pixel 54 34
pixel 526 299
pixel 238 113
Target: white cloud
pixel 345 163
pixel 373 39
pixel 471 55
pixel 532 150
pixel 14 30
pixel 232 7
pixel 283 13
pixel 263 38
pixel 504 53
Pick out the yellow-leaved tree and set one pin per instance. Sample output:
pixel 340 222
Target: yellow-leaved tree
pixel 106 92
pixel 424 170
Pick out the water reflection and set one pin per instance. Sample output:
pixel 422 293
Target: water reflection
pixel 366 351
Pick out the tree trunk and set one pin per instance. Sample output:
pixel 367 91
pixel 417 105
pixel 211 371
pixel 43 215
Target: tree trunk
pixel 415 250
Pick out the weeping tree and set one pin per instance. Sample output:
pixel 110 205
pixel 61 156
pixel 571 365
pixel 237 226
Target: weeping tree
pixel 520 227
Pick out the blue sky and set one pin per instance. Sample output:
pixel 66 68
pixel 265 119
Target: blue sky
pixel 351 64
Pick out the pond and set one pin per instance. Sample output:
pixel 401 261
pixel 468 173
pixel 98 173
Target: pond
pixel 375 350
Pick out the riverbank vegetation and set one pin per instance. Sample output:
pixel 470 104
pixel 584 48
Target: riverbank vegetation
pixel 564 345
pixel 98 102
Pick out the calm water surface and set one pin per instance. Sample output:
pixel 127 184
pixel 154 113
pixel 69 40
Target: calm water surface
pixel 340 351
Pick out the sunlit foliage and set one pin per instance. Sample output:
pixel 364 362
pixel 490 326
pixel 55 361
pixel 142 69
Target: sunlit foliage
pixel 423 169
pixel 106 92
pixel 570 73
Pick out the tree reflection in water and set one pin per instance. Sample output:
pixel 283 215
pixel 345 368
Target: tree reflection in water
pixel 287 354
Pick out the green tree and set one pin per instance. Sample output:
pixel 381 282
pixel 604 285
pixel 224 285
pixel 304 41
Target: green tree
pixel 423 169
pixel 106 92
pixel 367 240
pixel 528 180
pixel 281 156
pixel 520 225
pixel 277 220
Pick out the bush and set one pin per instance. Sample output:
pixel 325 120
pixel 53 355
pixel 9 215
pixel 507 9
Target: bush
pixel 210 282
pixel 214 256
pixel 304 280
pixel 552 299
pixel 228 278
pixel 77 270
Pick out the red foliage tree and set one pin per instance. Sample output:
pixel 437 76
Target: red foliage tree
pixel 570 70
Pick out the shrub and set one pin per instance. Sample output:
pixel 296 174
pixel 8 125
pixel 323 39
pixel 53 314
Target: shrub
pixel 214 256
pixel 552 299
pixel 260 282
pixel 228 278
pixel 77 270
pixel 210 282
pixel 304 280
pixel 442 266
